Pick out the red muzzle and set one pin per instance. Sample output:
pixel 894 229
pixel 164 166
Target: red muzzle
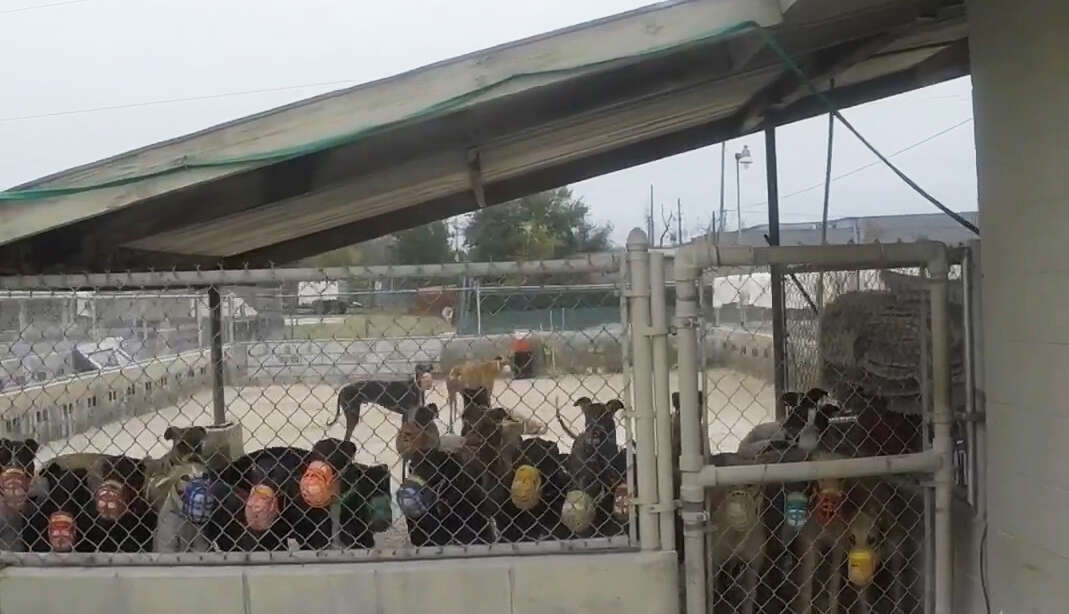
pixel 61 532
pixel 827 506
pixel 14 489
pixel 111 500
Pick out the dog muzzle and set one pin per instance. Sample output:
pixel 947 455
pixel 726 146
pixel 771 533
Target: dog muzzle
pixel 415 497
pixel 829 501
pixel 862 566
pixel 380 514
pixel 318 485
pixel 526 488
pixel 111 500
pixel 740 510
pixel 261 508
pixel 197 501
pixel 577 513
pixel 14 489
pixel 621 502
pixel 796 510
pixel 61 532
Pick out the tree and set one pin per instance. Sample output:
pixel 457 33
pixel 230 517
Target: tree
pixel 427 244
pixel 550 224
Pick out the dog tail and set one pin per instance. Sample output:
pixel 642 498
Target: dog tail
pixel 343 404
pixel 561 421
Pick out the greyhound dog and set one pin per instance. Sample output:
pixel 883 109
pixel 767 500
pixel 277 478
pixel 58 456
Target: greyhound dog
pixel 401 397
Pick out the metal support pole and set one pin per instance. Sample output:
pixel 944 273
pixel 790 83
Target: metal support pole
pixel 638 256
pixel 215 312
pixel 625 358
pixel 738 202
pixel 779 323
pixel 661 402
pixel 720 227
pixel 974 318
pixel 230 318
pixel 200 322
pixel 690 445
pixel 942 443
pixel 478 307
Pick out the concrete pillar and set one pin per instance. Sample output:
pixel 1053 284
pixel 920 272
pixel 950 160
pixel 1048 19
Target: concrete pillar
pixel 1020 67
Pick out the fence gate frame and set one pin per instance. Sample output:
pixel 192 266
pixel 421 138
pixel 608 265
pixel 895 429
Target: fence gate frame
pixel 936 460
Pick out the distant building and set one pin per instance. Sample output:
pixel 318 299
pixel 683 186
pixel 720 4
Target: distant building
pixel 870 229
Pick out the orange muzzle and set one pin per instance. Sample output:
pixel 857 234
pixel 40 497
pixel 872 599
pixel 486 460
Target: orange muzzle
pixel 318 485
pixel 261 508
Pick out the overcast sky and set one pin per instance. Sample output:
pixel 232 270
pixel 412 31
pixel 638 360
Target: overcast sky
pixel 85 79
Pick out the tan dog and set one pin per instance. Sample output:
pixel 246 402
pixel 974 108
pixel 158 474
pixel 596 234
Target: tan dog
pixel 453 387
pixel 480 375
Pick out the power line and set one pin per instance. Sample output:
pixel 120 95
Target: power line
pixel 148 103
pixel 34 7
pixel 757 205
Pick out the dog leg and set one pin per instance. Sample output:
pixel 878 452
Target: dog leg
pixel 835 577
pixel 863 601
pixel 807 563
pixel 352 416
pixel 749 586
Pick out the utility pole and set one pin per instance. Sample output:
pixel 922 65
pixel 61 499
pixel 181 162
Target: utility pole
pixel 679 221
pixel 651 224
pixel 719 229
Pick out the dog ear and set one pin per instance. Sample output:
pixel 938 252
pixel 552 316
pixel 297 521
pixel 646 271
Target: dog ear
pixel 31 445
pixel 791 399
pixel 195 435
pixel 349 449
pixel 170 434
pixel 614 406
pixel 816 394
pixel 433 407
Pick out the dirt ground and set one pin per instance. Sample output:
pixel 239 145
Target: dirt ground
pixel 297 415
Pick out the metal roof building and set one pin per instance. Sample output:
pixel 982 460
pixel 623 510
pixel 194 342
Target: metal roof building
pixel 476 130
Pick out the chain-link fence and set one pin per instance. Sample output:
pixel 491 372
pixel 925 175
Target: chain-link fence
pixel 368 412
pixel 859 383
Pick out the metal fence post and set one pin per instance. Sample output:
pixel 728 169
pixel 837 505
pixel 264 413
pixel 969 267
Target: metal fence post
pixel 638 256
pixel 691 459
pixel 215 313
pixel 625 359
pixel 942 443
pixel 665 462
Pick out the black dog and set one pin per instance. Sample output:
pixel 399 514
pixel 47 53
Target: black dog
pixel 457 516
pixel 401 397
pixel 539 519
pixel 17 471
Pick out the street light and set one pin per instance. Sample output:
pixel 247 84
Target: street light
pixel 742 159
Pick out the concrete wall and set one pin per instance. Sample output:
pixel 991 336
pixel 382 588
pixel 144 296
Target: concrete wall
pixel 621 583
pixel 1020 61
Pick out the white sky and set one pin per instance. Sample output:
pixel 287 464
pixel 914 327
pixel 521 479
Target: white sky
pixel 201 62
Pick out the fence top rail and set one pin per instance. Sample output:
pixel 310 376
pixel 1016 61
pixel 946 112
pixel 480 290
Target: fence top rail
pixel 590 263
pixel 707 255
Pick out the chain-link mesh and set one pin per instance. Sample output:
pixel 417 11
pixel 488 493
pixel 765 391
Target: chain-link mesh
pixel 365 413
pixel 858 380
